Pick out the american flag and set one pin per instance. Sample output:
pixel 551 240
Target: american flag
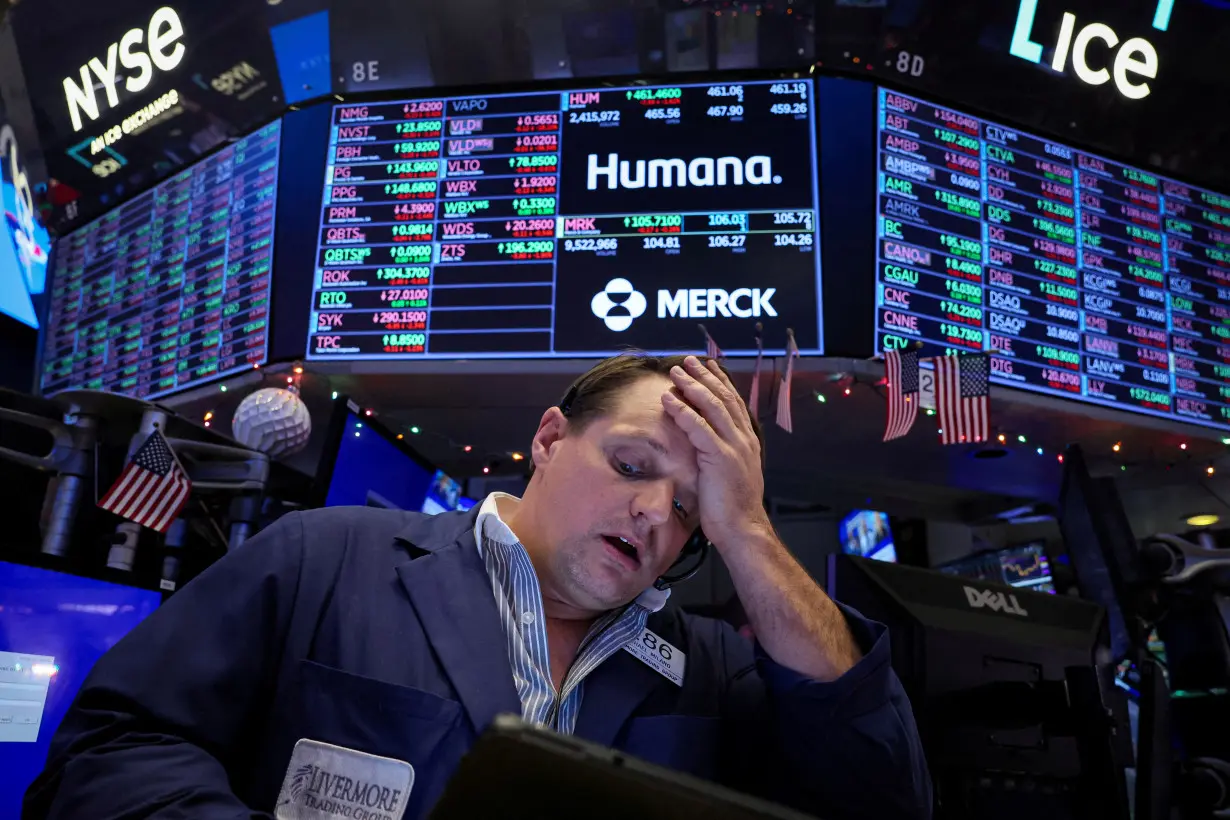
pixel 711 349
pixel 753 398
pixel 153 487
pixel 784 420
pixel 962 390
pixel 901 370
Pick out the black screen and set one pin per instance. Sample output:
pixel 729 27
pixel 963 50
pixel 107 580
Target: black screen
pixel 570 223
pixel 172 288
pixel 1083 277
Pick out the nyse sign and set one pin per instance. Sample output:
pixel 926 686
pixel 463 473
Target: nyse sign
pixel 163 51
pixel 1131 65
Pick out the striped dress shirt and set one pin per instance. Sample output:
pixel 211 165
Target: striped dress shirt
pixel 518 599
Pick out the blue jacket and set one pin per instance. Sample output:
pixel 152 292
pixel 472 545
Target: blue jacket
pixel 376 630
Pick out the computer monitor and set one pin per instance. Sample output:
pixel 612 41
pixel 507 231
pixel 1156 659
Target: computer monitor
pixel 53 628
pixel 1021 566
pixel 367 465
pixel 445 495
pixel 1103 553
pixel 1005 689
pixel 867 533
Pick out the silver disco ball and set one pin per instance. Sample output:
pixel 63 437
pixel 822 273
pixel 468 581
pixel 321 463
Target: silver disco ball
pixel 273 420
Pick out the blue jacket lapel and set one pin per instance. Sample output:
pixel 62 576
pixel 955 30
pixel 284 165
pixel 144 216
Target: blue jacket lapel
pixel 451 592
pixel 612 693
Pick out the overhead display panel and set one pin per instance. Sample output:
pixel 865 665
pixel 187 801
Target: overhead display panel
pixel 127 94
pixel 569 223
pixel 172 288
pixel 1081 276
pixel 1136 78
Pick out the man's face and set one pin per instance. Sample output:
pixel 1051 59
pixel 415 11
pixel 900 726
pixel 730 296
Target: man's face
pixel 619 499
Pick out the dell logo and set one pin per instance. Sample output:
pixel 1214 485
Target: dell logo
pixel 165 53
pixel 994 601
pixel 676 173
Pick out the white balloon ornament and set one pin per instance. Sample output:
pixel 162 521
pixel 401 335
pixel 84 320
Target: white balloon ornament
pixel 274 421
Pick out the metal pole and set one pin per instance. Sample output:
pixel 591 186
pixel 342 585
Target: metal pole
pixel 124 546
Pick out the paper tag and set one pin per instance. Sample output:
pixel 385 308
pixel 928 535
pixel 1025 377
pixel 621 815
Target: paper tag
pixel 926 389
pixel 324 782
pixel 658 655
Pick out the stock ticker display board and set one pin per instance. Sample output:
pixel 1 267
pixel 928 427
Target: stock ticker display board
pixel 569 223
pixel 171 288
pixel 1081 276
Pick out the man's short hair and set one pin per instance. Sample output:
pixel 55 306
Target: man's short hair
pixel 596 391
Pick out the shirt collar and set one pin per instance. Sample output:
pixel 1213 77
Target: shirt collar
pixel 490 526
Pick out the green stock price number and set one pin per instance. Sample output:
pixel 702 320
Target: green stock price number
pixel 964 291
pixel 1150 396
pixel 962 246
pixel 957 310
pixel 960 333
pixel 1064 358
pixel 404 342
pixel 534 206
pixel 417 148
pixel 419 127
pixel 533 162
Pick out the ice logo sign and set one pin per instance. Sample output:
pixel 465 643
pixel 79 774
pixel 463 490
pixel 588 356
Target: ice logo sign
pixel 1134 62
pixel 700 172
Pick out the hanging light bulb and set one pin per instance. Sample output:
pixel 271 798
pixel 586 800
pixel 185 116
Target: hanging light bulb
pixel 1183 446
pixel 467 448
pixel 1209 469
pixel 1117 447
pixel 1002 438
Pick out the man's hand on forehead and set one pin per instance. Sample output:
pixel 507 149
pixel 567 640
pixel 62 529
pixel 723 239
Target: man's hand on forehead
pixel 708 409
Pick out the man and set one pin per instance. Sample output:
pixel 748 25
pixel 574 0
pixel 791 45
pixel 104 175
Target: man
pixel 398 635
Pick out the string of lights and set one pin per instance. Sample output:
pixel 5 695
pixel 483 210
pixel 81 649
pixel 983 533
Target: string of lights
pixel 844 384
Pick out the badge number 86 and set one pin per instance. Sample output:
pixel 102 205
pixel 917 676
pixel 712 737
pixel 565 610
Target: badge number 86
pixel 651 642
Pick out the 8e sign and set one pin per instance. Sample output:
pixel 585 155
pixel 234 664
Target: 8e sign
pixel 1135 59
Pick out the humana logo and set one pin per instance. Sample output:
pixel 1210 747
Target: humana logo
pixel 701 172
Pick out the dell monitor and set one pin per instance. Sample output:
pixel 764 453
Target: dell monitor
pixel 53 628
pixel 1005 688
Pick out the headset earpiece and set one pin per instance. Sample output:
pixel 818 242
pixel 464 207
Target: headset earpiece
pixel 697 547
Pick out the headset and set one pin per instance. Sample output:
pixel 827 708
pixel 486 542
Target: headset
pixel 697 546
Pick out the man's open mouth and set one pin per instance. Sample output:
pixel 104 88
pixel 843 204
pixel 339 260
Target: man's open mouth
pixel 624 546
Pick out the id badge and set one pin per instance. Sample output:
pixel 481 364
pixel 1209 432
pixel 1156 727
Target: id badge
pixel 324 782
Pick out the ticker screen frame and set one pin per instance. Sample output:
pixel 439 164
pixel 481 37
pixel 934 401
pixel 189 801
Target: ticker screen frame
pixel 270 342
pixel 736 347
pixel 1166 271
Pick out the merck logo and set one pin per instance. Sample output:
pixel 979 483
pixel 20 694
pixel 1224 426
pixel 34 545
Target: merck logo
pixel 677 173
pixel 1136 57
pixel 994 601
